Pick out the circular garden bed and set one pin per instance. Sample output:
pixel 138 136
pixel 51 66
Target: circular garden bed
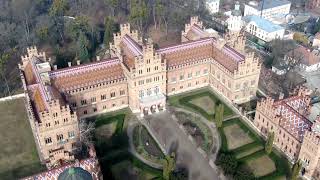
pixel 199 131
pixel 145 145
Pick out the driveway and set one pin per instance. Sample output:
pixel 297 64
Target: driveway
pixel 172 138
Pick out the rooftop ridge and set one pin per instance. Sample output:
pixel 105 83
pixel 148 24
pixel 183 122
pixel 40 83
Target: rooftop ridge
pixel 235 54
pixel 198 30
pixel 45 96
pixel 187 45
pixel 83 68
pixel 132 46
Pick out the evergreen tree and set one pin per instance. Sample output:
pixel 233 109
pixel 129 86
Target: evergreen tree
pixel 109 24
pixel 82 48
pixel 168 166
pixel 269 143
pixel 219 115
pixel 296 170
pixel 3 62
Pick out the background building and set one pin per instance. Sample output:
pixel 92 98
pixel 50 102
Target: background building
pixel 267 8
pixel 234 19
pixel 263 28
pixel 213 6
pixel 308 59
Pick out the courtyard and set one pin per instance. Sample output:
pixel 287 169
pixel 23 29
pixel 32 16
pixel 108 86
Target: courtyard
pixel 18 153
pixel 237 138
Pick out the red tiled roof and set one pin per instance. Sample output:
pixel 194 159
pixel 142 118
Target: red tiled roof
pixel 87 74
pixel 199 49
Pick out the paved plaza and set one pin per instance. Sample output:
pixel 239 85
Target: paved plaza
pixel 172 138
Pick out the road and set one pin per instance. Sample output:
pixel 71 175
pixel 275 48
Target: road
pixel 168 133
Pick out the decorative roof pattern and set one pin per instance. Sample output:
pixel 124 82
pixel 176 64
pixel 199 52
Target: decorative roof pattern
pixel 87 74
pixel 291 120
pixel 200 49
pixel 87 164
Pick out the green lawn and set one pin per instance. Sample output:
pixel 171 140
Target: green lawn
pixel 18 154
pixel 251 154
pixel 237 138
pixel 115 160
pixel 199 101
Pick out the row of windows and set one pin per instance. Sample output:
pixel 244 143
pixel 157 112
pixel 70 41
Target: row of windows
pixel 148 80
pixel 57 122
pixel 48 140
pixel 94 99
pixel 188 85
pixel 148 69
pixel 149 91
pixel 189 75
pixel 95 109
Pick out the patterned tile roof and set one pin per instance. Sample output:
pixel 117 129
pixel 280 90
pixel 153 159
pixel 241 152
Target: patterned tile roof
pixel 199 49
pixel 292 120
pixel 87 74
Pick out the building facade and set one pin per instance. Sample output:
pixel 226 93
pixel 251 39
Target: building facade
pixel 263 28
pixel 267 8
pixel 213 6
pixel 234 20
pixel 295 134
pixel 137 76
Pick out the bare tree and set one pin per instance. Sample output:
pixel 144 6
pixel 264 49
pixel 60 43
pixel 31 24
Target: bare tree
pixel 86 132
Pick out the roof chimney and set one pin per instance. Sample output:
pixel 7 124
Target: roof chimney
pixel 98 58
pixel 69 64
pixel 55 67
pixel 78 62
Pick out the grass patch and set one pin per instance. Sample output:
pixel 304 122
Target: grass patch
pixel 261 166
pixel 185 101
pixel 18 153
pixel 236 137
pixel 115 160
pixel 248 155
pixel 204 103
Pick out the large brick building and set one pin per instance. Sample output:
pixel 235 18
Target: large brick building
pixel 295 134
pixel 137 76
